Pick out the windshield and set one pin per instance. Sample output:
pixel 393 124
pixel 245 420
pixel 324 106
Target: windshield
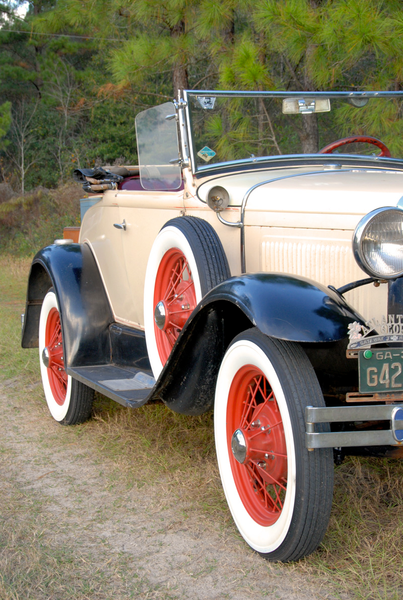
pixel 227 126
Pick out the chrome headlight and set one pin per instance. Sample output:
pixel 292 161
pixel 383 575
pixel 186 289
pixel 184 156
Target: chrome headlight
pixel 378 243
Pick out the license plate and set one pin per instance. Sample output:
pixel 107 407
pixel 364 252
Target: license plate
pixel 380 370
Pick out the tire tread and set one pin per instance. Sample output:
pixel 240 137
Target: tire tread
pixel 209 253
pixel 80 408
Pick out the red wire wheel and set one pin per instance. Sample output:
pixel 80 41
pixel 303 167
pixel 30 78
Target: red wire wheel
pixel 279 493
pixel 261 477
pixel 186 261
pixel 69 401
pixel 54 349
pixel 174 300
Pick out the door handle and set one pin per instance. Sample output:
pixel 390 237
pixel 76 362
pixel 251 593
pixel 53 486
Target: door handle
pixel 120 225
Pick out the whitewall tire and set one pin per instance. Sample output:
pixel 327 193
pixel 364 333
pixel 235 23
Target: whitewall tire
pixel 186 261
pixel 68 400
pixel 279 494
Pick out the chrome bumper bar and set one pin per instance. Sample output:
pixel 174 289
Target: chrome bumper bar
pixel 342 439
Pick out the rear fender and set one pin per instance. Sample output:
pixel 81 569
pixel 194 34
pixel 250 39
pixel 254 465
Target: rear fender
pixel 84 307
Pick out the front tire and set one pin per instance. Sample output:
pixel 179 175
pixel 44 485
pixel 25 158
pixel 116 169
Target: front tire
pixel 279 494
pixel 69 401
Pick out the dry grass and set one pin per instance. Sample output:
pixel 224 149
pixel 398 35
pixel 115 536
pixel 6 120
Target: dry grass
pixel 166 448
pixel 361 551
pixel 360 557
pixel 362 547
pixel 37 561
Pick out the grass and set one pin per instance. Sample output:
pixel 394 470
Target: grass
pixel 362 547
pixel 13 282
pixel 32 563
pixel 360 557
pixel 35 564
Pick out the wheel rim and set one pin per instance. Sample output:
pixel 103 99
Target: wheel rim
pixel 174 300
pixel 259 468
pixel 54 357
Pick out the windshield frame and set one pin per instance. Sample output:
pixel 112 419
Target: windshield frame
pixel 198 169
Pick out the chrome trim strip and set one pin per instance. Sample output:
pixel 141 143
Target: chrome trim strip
pixel 182 106
pixel 342 414
pixel 362 162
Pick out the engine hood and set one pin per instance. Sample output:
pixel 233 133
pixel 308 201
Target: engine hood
pixel 310 197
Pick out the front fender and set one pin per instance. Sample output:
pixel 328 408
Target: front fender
pixel 287 307
pixel 282 306
pixel 84 308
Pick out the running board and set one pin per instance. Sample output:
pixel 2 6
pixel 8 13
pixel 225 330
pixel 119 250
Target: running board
pixel 127 385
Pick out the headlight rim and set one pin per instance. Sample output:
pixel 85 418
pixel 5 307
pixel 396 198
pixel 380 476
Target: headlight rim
pixel 359 232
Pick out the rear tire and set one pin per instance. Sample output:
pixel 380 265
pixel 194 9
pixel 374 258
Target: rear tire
pixel 69 401
pixel 279 494
pixel 186 261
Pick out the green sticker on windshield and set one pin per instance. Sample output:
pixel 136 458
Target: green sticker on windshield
pixel 206 153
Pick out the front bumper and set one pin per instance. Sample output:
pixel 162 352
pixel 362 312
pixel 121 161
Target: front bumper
pixel 392 414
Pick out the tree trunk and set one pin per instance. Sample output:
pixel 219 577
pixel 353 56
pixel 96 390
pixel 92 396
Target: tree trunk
pixel 309 134
pixel 180 74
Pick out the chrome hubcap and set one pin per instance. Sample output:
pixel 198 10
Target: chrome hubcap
pixel 45 357
pixel 238 446
pixel 160 315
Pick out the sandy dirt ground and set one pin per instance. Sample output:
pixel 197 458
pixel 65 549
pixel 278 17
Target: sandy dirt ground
pixel 159 550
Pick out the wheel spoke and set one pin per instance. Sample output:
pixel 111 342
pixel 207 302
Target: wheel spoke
pixel 260 485
pixel 55 336
pixel 182 291
pixel 272 425
pixel 249 404
pixel 263 452
pixel 175 279
pixel 171 336
pixel 60 375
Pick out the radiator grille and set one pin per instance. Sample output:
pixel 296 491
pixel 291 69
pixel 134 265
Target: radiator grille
pixel 328 264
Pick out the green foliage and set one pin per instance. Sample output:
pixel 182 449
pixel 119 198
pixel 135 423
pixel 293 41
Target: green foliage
pixel 5 122
pixel 244 69
pixel 333 44
pixel 87 68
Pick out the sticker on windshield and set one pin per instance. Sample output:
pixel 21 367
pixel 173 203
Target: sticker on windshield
pixel 206 102
pixel 206 153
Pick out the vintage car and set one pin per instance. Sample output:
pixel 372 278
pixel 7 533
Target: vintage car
pixel 238 267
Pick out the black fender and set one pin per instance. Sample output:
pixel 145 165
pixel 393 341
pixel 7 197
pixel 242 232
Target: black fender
pixel 286 307
pixel 84 308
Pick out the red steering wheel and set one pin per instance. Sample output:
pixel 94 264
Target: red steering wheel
pixel 363 139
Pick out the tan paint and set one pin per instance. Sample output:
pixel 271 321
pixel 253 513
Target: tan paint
pixel 299 225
